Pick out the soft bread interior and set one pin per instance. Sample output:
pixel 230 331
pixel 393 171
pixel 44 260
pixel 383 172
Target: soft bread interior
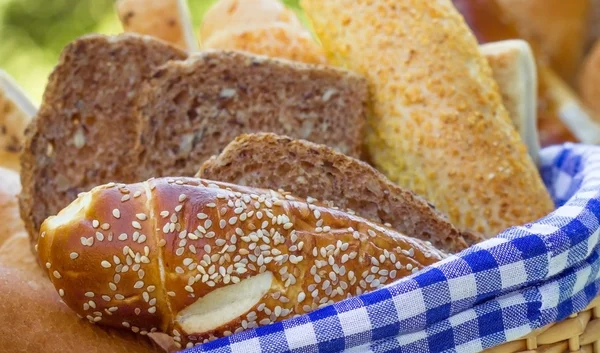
pixel 514 68
pixel 70 213
pixel 224 304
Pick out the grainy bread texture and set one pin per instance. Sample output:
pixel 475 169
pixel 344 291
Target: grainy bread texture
pixel 85 132
pixel 10 187
pixel 437 124
pixel 307 170
pixel 192 109
pixel 36 320
pixel 16 112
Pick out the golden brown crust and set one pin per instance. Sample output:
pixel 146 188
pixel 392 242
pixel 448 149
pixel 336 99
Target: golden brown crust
pixel 558 28
pixel 73 144
pixel 275 40
pixel 240 15
pixel 438 126
pixel 37 321
pixel 589 79
pixel 197 236
pixel 10 221
pixel 16 112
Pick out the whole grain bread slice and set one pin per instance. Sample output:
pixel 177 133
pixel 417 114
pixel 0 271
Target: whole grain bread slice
pixel 85 132
pixel 311 170
pixel 192 109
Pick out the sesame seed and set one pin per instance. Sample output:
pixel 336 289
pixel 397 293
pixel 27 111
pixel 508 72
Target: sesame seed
pixel 233 220
pixel 141 216
pixel 125 198
pixel 57 274
pixel 189 289
pixel 61 292
pixel 288 225
pixel 178 208
pixel 138 284
pixel 119 296
pixel 211 205
pixel 105 226
pixel 92 304
pixel 182 197
pixel 105 264
pixel 152 310
pixel 136 225
pixel 112 286
pixel 99 236
pixel 74 255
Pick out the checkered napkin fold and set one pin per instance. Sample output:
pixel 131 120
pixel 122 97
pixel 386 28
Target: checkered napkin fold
pixel 499 290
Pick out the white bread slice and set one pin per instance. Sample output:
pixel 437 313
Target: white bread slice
pixel 514 69
pixel 16 111
pixel 168 20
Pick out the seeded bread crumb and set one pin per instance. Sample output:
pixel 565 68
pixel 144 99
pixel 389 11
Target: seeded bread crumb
pixel 85 133
pixel 192 109
pixel 308 169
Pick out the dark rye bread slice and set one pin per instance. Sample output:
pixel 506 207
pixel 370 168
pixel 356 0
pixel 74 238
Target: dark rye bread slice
pixel 192 109
pixel 85 132
pixel 307 169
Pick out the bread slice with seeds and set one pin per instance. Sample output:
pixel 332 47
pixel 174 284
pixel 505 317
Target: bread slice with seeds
pixel 310 170
pixel 85 131
pixel 192 109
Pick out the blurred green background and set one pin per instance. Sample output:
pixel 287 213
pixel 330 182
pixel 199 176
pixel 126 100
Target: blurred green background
pixel 34 32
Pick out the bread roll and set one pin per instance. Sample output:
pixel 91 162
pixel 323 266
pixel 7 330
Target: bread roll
pixel 490 23
pixel 35 320
pixel 240 15
pixel 198 259
pixel 513 66
pixel 16 111
pixel 264 27
pixel 558 27
pixel 589 79
pixel 168 20
pixel 438 126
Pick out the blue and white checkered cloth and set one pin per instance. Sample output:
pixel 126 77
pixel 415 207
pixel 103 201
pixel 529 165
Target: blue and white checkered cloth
pixel 499 290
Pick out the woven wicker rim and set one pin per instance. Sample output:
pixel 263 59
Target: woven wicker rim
pixel 579 333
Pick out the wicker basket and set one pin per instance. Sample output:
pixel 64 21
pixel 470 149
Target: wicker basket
pixel 579 333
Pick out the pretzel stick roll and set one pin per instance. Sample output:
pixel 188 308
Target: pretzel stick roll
pixel 264 27
pixel 198 259
pixel 168 20
pixel 437 125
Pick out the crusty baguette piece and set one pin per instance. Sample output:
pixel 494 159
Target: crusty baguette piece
pixel 85 133
pixel 513 67
pixel 198 259
pixel 310 170
pixel 558 27
pixel 213 97
pixel 437 126
pixel 278 40
pixel 35 320
pixel 589 79
pixel 240 15
pixel 264 27
pixel 168 20
pixel 16 111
